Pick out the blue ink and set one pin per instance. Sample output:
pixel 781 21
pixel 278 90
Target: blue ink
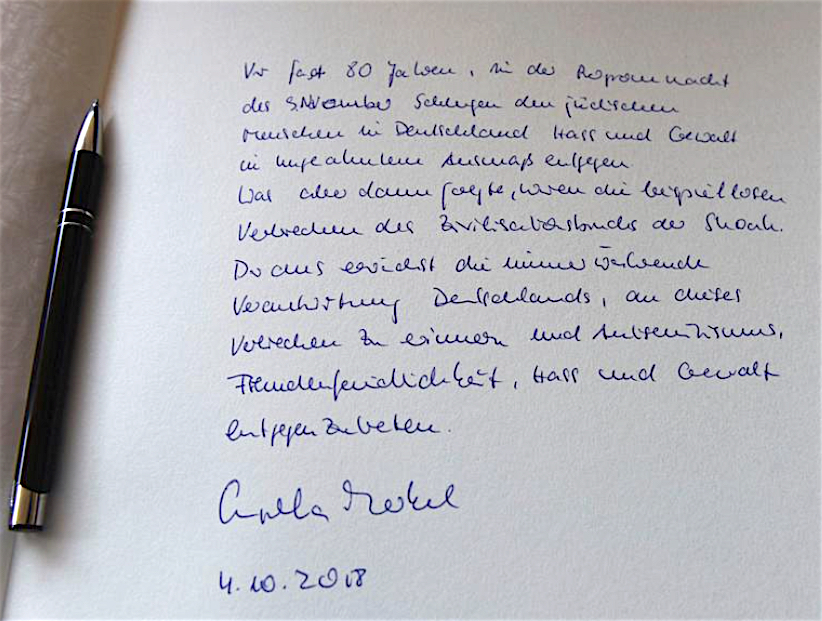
pixel 703 80
pixel 267 342
pixel 269 432
pixel 545 336
pixel 253 71
pixel 534 224
pixel 423 100
pixel 313 102
pixel 514 161
pixel 389 227
pixel 369 132
pixel 247 384
pixel 227 586
pixel 668 224
pixel 709 192
pixel 546 189
pixel 384 266
pixel 639 333
pixel 308 303
pixel 256 107
pixel 395 73
pixel 322 193
pixel 486 298
pixel 457 130
pixel 637 297
pixel 285 133
pixel 447 338
pixel 469 264
pixel 451 189
pixel 644 374
pixel 585 135
pixel 394 380
pixel 527 102
pixel 686 331
pixel 607 190
pixel 400 380
pixel 384 159
pixel 352 579
pixel 367 341
pixel 331 578
pixel 251 233
pixel 248 165
pixel 419 71
pixel 717 294
pixel 578 162
pixel 243 269
pixel 362 71
pixel 540 69
pixel 678 134
pixel 424 70
pixel 686 372
pixel 566 375
pixel 346 158
pixel 247 196
pixel 297 72
pixel 711 332
pixel 373 191
pixel 282 508
pixel 715 222
pixel 583 104
pixel 409 501
pixel 266 584
pixel 620 136
pixel 610 78
pixel 540 264
pixel 365 426
pixel 250 384
pixel 312 161
pixel 632 261
pixel 278 270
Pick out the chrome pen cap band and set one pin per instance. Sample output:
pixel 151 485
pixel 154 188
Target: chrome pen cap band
pixel 27 508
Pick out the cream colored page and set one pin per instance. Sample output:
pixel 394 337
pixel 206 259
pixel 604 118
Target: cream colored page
pixel 449 310
pixel 54 58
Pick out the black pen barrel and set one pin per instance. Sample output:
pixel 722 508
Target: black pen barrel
pixel 58 324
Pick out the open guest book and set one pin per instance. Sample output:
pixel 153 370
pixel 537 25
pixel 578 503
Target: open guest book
pixel 441 310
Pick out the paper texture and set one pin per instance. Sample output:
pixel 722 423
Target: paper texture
pixel 54 59
pixel 578 404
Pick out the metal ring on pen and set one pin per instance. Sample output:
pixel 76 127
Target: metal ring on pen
pixel 78 210
pixel 64 223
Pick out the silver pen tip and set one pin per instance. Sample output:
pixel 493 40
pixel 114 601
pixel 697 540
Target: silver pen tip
pixel 27 508
pixel 90 136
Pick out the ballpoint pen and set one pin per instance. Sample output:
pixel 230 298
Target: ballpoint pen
pixel 42 425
